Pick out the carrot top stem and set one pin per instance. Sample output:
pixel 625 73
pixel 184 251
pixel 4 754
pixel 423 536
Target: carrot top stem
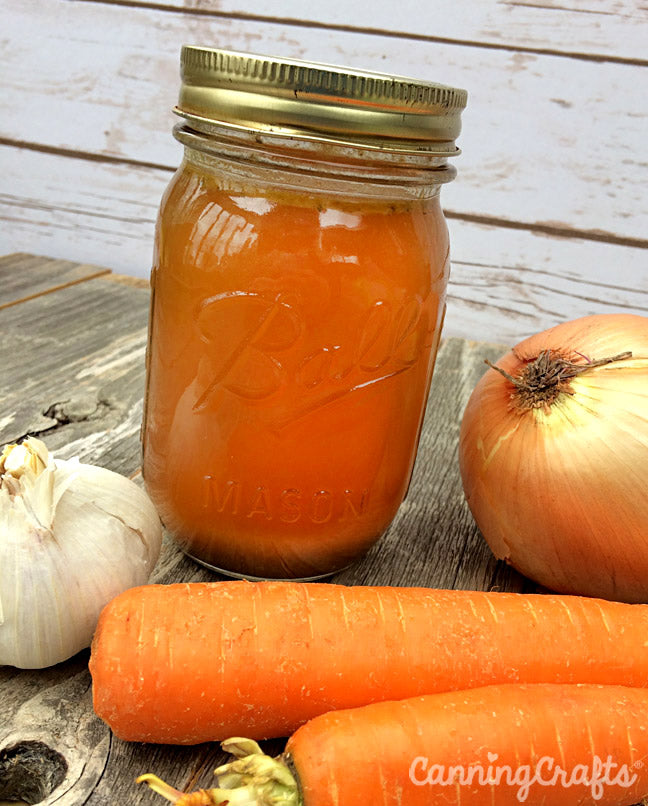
pixel 268 780
pixel 252 779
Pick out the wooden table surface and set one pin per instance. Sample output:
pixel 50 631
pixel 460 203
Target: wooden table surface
pixel 72 344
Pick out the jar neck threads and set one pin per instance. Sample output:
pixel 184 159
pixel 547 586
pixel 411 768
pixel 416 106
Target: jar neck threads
pixel 314 168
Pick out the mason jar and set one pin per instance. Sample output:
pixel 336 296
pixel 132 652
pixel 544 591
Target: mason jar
pixel 298 294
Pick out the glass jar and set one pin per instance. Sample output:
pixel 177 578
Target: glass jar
pixel 299 283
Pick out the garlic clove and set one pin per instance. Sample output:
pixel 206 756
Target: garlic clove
pixel 72 536
pixel 87 488
pixel 28 459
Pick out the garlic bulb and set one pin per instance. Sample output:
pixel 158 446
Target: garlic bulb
pixel 72 536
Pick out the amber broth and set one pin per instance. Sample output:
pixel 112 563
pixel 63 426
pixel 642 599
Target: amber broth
pixel 291 350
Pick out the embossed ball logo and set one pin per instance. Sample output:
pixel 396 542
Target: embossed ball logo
pixel 259 347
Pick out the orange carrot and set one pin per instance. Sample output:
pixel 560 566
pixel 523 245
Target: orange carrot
pixel 550 744
pixel 198 662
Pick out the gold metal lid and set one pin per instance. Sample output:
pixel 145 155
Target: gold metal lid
pixel 318 102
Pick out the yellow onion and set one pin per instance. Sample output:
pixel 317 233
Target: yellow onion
pixel 554 457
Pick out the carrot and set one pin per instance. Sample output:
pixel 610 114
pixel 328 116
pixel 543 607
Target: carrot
pixel 189 663
pixel 550 744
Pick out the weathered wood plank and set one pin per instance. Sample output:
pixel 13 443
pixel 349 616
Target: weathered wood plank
pixel 505 283
pixel 586 28
pixel 52 708
pixel 432 542
pixel 541 136
pixel 508 285
pixel 109 216
pixel 72 367
pixel 23 276
pixel 82 360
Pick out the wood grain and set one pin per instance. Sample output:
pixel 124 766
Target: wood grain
pixel 587 29
pixel 74 361
pixel 505 284
pixel 547 140
pixel 110 213
pixel 24 276
pixel 548 214
pixel 84 346
pixel 506 287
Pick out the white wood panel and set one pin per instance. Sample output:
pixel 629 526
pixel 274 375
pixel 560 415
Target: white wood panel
pixel 547 140
pixel 505 284
pixel 509 284
pixel 80 210
pixel 587 28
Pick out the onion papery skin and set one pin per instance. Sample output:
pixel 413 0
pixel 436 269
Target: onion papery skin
pixel 561 493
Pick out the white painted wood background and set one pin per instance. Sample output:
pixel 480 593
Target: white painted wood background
pixel 548 214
